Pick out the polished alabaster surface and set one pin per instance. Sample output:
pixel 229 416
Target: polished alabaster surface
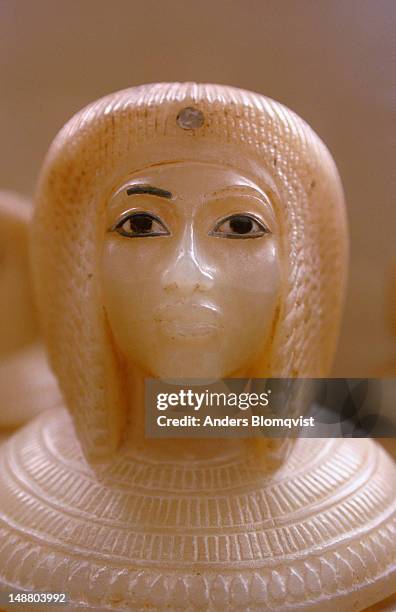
pixel 221 533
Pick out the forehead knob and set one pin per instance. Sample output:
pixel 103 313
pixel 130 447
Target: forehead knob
pixel 190 118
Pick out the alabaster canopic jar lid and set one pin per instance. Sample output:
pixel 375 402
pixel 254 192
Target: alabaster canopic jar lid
pixel 212 153
pixel 196 231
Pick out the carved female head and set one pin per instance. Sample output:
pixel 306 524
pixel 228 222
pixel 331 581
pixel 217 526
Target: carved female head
pixel 187 230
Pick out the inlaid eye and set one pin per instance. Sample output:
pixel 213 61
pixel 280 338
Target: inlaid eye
pixel 140 224
pixel 243 225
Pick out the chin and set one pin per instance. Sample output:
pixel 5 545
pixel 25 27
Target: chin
pixel 180 367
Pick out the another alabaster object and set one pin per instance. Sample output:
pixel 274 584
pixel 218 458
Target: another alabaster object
pixel 389 369
pixel 26 384
pixel 190 231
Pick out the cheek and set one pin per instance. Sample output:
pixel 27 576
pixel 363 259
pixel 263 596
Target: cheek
pixel 249 288
pixel 249 274
pixel 128 289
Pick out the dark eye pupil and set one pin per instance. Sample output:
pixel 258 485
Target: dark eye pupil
pixel 141 224
pixel 241 225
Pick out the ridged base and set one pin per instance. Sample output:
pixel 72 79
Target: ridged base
pixel 218 534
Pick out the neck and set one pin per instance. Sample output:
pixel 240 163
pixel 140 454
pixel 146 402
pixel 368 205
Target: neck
pixel 168 448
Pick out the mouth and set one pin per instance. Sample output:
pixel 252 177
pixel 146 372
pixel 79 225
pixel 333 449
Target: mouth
pixel 186 320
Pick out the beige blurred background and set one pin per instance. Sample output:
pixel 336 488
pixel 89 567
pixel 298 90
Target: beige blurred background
pixel 332 61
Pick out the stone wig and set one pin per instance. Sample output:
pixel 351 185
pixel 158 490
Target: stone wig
pixel 138 127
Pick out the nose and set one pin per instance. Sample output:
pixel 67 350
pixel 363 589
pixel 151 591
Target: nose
pixel 188 272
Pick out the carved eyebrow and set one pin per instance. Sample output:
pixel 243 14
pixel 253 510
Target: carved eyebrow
pixel 150 189
pixel 241 188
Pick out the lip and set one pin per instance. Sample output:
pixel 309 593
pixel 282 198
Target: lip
pixel 188 320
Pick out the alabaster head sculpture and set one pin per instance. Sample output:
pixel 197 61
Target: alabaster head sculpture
pixel 192 231
pixel 184 231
